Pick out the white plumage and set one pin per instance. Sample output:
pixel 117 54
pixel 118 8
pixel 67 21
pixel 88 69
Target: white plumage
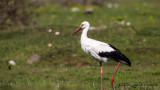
pixel 99 50
pixel 94 47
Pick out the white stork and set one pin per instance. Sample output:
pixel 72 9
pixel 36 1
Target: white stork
pixel 99 50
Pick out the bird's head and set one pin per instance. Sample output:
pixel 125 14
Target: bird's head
pixel 83 25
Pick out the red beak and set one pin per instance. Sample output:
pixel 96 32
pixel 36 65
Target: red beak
pixel 80 28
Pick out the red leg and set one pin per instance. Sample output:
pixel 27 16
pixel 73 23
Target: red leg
pixel 101 74
pixel 112 79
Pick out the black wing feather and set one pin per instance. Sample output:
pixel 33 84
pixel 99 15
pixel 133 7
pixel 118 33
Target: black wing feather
pixel 116 55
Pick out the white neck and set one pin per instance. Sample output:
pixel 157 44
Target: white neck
pixel 84 32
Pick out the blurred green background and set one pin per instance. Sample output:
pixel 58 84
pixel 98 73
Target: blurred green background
pixel 41 30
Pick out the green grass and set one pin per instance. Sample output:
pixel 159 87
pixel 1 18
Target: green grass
pixel 64 66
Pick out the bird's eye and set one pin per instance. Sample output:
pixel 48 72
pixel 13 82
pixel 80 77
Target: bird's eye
pixel 82 24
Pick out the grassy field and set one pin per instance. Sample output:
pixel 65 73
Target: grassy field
pixel 64 66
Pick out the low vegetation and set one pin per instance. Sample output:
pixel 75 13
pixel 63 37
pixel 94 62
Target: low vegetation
pixel 132 26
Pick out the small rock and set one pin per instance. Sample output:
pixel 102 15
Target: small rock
pixel 33 59
pixel 109 5
pixel 57 33
pixel 102 28
pixel 89 11
pixel 49 45
pixel 92 28
pixel 50 30
pixel 122 22
pixel 11 62
pixel 128 23
pixel 75 9
pixel 98 28
pixel 144 40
